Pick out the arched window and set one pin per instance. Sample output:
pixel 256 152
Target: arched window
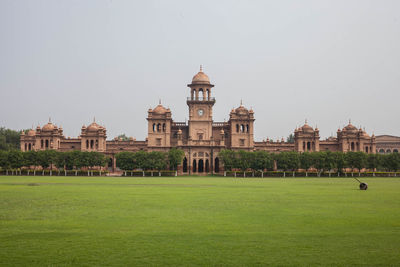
pixel 87 144
pixel 208 94
pixel 91 144
pixel 395 150
pixel 308 146
pixel 194 166
pixel 47 143
pixel 381 151
pixel 159 127
pixel 247 128
pixel 304 146
pixel 41 143
pixel 154 127
pixel 352 146
pixel 207 166
pixel 97 143
pixel 185 164
pixel 163 127
pixel 388 151
pixel 30 146
pixel 216 165
pixel 366 149
pixel 202 94
pixel 201 165
pixel 237 128
pixel 242 128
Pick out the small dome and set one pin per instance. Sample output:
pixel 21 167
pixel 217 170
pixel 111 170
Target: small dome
pixel 222 132
pixel 350 128
pixel 48 127
pixel 241 110
pixel 160 109
pixel 200 78
pixel 31 132
pixel 93 127
pixel 307 128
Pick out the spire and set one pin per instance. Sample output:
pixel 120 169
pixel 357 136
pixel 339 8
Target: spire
pixel 159 101
pixel 241 102
pixel 305 121
pixel 349 121
pixel 94 119
pixel 201 68
pixel 49 119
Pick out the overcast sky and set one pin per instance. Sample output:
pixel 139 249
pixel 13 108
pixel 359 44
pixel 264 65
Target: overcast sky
pixel 327 61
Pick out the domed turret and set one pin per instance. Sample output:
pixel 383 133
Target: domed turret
pixel 200 78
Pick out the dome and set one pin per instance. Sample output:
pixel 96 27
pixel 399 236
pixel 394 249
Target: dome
pixel 48 127
pixel 307 128
pixel 160 109
pixel 31 132
pixel 93 127
pixel 200 78
pixel 350 128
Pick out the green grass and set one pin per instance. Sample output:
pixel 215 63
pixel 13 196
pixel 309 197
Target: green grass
pixel 186 221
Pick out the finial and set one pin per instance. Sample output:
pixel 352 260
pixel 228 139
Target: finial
pixel 349 121
pixel 49 119
pixel 241 102
pixel 305 121
pixel 94 119
pixel 159 101
pixel 201 68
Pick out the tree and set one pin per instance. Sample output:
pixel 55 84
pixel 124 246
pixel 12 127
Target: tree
pixel 244 160
pixel 4 159
pixel 228 158
pixel 391 162
pixel 31 158
pixel 175 158
pixel 373 161
pixel 125 161
pixel 356 160
pixel 9 139
pixel 140 160
pixel 306 161
pixel 156 160
pixel 287 160
pixel 261 160
pixel 290 139
pixel 15 159
pixel 123 137
pixel 339 161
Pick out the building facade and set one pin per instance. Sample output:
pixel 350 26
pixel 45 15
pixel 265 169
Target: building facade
pixel 201 138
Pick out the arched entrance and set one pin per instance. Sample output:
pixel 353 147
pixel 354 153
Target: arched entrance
pixel 194 166
pixel 216 165
pixel 207 166
pixel 201 165
pixel 185 165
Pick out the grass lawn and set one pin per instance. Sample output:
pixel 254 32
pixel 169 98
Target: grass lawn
pixel 199 221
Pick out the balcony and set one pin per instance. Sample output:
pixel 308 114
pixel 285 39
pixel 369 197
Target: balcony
pixel 201 99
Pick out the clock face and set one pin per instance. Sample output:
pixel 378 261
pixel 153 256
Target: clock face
pixel 200 112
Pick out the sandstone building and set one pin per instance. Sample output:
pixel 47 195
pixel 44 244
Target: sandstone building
pixel 201 138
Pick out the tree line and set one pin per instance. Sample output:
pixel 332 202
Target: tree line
pixel 154 160
pixel 15 159
pixel 321 161
pixel 9 139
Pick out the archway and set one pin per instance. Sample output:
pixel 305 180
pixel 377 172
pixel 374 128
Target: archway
pixel 381 151
pixel 308 146
pixel 352 146
pixel 216 165
pixel 388 151
pixel 185 165
pixel 395 150
pixel 194 166
pixel 207 166
pixel 201 165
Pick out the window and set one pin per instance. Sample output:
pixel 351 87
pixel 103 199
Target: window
pixel 158 141
pixel 154 127
pixel 159 127
pixel 200 136
pixel 163 127
pixel 237 128
pixel 247 128
pixel 241 142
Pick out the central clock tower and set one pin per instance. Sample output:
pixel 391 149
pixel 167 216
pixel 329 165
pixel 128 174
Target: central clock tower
pixel 200 105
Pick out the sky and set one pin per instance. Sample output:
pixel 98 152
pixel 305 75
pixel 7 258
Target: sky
pixel 324 61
